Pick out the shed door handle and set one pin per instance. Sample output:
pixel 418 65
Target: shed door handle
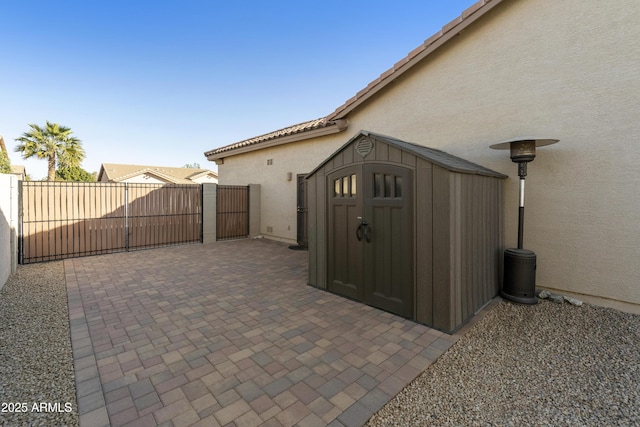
pixel 363 229
pixel 367 232
pixel 359 231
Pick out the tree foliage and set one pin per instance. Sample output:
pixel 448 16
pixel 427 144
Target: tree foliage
pixel 5 163
pixel 54 143
pixel 192 165
pixel 74 174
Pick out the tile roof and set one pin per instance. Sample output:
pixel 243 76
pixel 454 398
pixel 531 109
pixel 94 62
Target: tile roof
pixel 448 31
pixel 290 130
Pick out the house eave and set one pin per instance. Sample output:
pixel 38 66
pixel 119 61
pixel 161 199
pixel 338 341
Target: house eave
pixel 338 126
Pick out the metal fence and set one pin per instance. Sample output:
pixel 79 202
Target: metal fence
pixel 65 220
pixel 232 216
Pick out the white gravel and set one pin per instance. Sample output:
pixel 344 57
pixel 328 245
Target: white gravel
pixel 549 364
pixel 36 368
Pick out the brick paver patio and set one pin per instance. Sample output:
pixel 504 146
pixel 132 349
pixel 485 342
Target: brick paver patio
pixel 230 334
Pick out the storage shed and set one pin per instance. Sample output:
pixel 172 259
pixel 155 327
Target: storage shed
pixel 406 228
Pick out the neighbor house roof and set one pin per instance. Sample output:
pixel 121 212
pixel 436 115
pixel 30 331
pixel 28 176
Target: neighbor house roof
pixel 299 132
pixel 115 172
pixel 18 170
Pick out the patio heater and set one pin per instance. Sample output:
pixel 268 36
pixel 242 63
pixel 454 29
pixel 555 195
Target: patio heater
pixel 519 284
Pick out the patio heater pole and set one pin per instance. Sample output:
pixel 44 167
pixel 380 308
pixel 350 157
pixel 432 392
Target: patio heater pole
pixel 519 284
pixel 522 172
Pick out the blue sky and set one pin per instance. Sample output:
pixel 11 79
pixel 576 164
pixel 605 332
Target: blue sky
pixel 161 82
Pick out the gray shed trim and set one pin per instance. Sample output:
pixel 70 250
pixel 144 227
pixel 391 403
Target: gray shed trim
pixel 432 155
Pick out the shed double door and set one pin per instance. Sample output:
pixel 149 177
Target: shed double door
pixel 370 236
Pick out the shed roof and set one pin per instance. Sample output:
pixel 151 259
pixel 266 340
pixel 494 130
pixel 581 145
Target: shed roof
pixel 432 155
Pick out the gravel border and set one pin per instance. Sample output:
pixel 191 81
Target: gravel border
pixel 549 364
pixel 37 384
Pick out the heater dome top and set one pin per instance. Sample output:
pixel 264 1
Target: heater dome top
pixel 540 142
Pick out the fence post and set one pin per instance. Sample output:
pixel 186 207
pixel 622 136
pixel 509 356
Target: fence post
pixel 209 211
pixel 254 210
pixel 126 217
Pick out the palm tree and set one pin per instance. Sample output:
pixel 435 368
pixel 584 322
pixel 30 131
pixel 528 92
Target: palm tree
pixel 54 143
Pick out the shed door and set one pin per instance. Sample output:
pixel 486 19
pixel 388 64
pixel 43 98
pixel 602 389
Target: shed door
pixel 370 236
pixel 345 251
pixel 388 254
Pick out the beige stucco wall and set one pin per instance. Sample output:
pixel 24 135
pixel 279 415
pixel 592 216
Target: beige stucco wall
pixel 565 69
pixel 278 195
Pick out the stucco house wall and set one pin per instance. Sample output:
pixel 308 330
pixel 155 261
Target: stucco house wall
pixel 568 70
pixel 278 195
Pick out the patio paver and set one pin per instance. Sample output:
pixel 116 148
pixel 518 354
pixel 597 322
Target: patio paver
pixel 230 332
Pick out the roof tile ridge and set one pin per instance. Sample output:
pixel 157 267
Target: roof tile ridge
pixel 288 130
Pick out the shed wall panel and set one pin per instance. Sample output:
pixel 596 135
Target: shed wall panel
pixel 322 230
pixel 475 244
pixel 317 230
pixel 441 249
pixel 348 156
pixel 456 250
pixel 337 161
pixel 312 230
pixel 424 242
pixel 479 240
pixel 409 159
pixel 380 152
pixel 395 155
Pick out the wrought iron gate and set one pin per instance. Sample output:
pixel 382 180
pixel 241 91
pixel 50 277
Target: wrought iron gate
pixel 68 219
pixel 232 216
